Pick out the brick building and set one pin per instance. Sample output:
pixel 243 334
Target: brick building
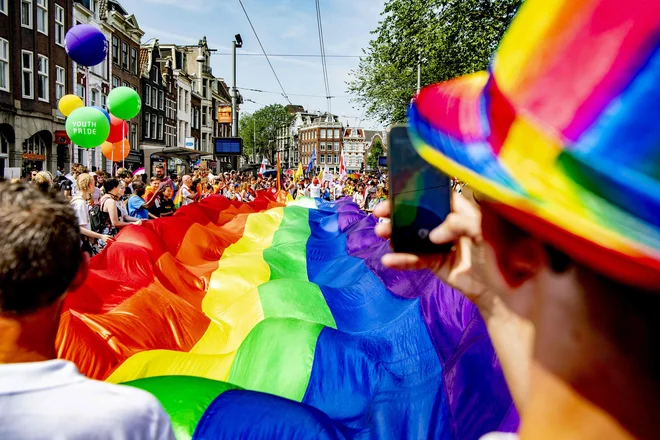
pixel 323 134
pixel 34 73
pixel 125 58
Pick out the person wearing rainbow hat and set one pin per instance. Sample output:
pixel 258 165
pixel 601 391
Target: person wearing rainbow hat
pixel 560 140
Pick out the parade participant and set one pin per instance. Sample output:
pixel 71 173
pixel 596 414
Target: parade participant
pixel 188 195
pixel 110 207
pixel 43 180
pixel 568 236
pixel 40 262
pixel 80 205
pixel 137 206
pixel 167 204
pixel 314 189
pixel 160 173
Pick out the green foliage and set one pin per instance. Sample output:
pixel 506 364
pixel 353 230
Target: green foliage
pixel 265 122
pixel 450 37
pixel 374 154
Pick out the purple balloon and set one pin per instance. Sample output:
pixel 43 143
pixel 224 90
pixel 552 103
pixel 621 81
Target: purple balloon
pixel 86 45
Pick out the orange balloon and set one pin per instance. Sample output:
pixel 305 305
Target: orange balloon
pixel 117 151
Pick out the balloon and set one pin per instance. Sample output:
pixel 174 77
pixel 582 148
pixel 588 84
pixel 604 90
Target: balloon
pixel 86 45
pixel 105 112
pixel 118 130
pixel 87 127
pixel 69 103
pixel 124 103
pixel 117 151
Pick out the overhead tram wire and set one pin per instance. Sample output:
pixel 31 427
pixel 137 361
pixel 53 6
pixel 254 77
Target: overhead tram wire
pixel 264 51
pixel 323 58
pixel 292 94
pixel 291 55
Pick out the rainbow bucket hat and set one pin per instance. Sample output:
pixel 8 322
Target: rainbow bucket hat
pixel 562 133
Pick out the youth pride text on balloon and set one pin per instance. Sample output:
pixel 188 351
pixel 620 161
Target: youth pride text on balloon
pixel 82 127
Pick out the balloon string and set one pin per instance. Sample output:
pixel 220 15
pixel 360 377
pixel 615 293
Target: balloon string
pixel 123 137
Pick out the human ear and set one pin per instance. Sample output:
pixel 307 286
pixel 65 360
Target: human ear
pixel 521 261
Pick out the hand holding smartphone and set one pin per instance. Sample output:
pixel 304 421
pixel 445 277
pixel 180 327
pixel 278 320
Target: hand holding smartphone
pixel 420 197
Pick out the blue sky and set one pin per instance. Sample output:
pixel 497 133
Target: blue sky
pixel 284 27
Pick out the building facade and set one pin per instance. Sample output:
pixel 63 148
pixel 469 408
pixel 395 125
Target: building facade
pixel 355 145
pixel 199 66
pixel 153 106
pixel 324 134
pixel 93 83
pixel 125 61
pixel 34 73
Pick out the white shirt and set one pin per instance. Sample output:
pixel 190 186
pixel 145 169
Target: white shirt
pixel 52 400
pixel 499 436
pixel 185 195
pixel 81 209
pixel 315 191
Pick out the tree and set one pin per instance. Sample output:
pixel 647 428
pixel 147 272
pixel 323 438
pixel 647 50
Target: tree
pixel 374 154
pixel 448 37
pixel 265 122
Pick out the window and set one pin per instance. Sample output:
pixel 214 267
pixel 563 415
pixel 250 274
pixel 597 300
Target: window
pixel 322 146
pixel 125 83
pixel 204 118
pixel 42 16
pixel 115 49
pixel 80 92
pixel 322 133
pixel 115 82
pixel 161 100
pixel 336 133
pixel 104 101
pixel 124 55
pixel 94 97
pixel 322 158
pixel 160 127
pixel 134 63
pixel 3 7
pixel 43 79
pixel 145 129
pixel 336 146
pixel 205 85
pixel 134 139
pixel 154 128
pixel 336 159
pixel 60 81
pixel 26 13
pixel 4 64
pixel 94 4
pixel 28 74
pixel 154 98
pixel 59 25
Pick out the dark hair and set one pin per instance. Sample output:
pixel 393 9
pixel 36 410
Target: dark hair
pixel 160 166
pixel 110 184
pixel 138 188
pixel 39 247
pixel 154 178
pixel 125 174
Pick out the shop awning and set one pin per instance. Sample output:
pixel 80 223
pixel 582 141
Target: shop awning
pixel 180 152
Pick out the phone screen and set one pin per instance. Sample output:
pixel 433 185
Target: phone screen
pixel 420 196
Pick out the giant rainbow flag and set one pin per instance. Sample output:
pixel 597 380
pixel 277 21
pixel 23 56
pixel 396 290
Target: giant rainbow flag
pixel 269 321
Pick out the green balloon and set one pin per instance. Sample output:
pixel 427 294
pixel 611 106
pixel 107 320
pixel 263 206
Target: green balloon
pixel 124 103
pixel 87 127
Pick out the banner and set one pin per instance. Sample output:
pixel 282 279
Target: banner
pixel 224 114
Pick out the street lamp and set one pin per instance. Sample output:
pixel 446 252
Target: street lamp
pixel 237 43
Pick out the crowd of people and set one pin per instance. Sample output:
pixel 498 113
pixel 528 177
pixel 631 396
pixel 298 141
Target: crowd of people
pixel 105 204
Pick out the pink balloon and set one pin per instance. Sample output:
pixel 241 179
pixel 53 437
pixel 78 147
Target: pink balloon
pixel 118 130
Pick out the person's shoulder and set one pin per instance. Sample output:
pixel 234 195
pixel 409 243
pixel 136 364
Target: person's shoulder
pixel 133 409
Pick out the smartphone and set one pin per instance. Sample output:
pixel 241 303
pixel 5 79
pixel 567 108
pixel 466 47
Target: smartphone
pixel 420 196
